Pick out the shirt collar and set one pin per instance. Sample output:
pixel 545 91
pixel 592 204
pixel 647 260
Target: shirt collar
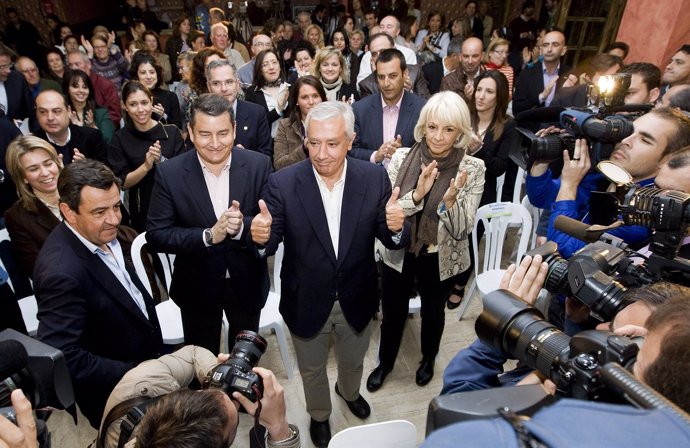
pixel 555 72
pixel 69 137
pixel 384 105
pixel 205 168
pixel 322 183
pixel 89 245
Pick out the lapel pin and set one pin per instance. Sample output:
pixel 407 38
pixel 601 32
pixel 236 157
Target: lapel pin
pixel 246 127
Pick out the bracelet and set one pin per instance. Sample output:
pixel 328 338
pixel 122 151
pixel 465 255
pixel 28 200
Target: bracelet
pixel 294 432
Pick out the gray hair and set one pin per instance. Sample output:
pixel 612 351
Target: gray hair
pixel 220 63
pixel 218 25
pixel 455 46
pixel 333 109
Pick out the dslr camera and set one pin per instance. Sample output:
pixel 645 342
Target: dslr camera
pixel 236 374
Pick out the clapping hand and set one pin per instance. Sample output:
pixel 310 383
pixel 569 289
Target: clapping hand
pixel 425 181
pixel 452 192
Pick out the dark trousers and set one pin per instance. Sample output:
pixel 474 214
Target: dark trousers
pixel 202 323
pixel 396 289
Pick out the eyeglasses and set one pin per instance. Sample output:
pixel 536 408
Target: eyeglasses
pixel 8 67
pixel 229 83
pixel 263 44
pixel 502 52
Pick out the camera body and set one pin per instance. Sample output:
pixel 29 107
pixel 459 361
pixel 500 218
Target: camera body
pixel 520 332
pixel 236 374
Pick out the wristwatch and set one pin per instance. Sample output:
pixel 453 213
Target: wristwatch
pixel 208 237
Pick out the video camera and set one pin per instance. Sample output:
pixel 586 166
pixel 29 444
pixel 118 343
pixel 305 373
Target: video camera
pixel 598 123
pixel 39 370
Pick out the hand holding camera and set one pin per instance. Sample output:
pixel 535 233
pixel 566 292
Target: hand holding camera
pixel 24 434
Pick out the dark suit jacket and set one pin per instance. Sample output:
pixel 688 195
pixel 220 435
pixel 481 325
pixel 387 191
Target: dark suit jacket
pixel 433 72
pixel 20 104
pixel 530 84
pixel 575 96
pixel 85 311
pixel 252 128
pixel 257 97
pixel 87 140
pixel 28 231
pixel 8 192
pixel 181 209
pixel 369 85
pixel 312 277
pixel 369 123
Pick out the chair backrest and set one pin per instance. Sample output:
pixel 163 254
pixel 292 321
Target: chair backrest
pixel 167 260
pixel 392 434
pixel 517 189
pixel 277 264
pixel 497 217
pixel 535 213
pixel 500 180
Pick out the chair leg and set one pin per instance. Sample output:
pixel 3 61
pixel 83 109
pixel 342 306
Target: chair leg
pixel 469 294
pixel 283 346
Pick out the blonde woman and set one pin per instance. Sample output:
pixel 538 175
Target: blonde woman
pixel 330 68
pixel 314 35
pixel 496 58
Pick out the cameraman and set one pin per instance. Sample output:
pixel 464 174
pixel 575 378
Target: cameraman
pixel 182 417
pixel 23 434
pixel 658 134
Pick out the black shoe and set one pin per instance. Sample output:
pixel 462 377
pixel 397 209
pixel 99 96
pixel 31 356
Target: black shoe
pixel 376 378
pixel 456 291
pixel 425 372
pixel 320 433
pixel 360 408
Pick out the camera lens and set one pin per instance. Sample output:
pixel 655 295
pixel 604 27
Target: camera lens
pixel 249 347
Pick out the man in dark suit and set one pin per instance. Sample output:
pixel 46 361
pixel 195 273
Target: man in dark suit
pixel 91 304
pixel 537 85
pixel 201 207
pixel 380 132
pixel 252 130
pixel 327 211
pixel 16 101
pixel 414 81
pixel 435 71
pixel 71 141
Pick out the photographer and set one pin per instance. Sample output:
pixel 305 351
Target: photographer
pixel 658 134
pixel 211 412
pixel 23 434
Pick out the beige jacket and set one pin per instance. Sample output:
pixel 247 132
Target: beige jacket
pixel 454 224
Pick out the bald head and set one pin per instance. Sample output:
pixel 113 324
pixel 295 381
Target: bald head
pixel 472 54
pixel 672 96
pixel 28 68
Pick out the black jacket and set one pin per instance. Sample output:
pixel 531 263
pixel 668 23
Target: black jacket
pixel 87 140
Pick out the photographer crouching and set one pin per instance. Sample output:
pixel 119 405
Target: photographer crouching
pixel 152 407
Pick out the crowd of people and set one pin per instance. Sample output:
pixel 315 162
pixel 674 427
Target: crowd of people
pixel 363 141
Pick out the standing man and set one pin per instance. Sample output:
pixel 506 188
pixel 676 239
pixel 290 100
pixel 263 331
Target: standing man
pixel 219 39
pixel 91 304
pixel 385 122
pixel 201 207
pixel 327 211
pixel 461 80
pixel 252 130
pixel 245 73
pixel 104 91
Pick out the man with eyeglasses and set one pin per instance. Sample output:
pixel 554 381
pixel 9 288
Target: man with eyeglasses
pixel 28 68
pixel 251 122
pixel 15 96
pixel 245 73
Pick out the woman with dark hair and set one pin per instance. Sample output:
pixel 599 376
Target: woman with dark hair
pixel 81 100
pixel 288 148
pixel 56 64
pixel 488 111
pixel 178 43
pixel 138 147
pixel 166 106
pixel 346 22
pixel 341 41
pixel 269 89
pixel 201 59
pixel 54 24
pixel 304 57
pixel 432 41
pixel 153 44
pixel 331 69
pixel 409 27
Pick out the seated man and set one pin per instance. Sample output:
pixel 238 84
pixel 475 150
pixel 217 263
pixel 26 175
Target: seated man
pixel 658 134
pixel 91 304
pixel 209 410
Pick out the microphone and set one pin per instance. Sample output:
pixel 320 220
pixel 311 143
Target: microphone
pixel 13 358
pixel 581 231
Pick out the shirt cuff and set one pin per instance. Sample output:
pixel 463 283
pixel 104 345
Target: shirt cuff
pixel 397 237
pixel 239 234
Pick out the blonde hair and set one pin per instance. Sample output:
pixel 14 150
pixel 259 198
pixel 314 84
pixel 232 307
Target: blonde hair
pixel 449 108
pixel 19 147
pixel 492 46
pixel 320 44
pixel 326 53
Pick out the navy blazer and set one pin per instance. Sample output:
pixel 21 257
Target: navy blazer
pixel 312 278
pixel 369 123
pixel 530 83
pixel 433 72
pixel 252 128
pixel 181 209
pixel 85 311
pixel 87 140
pixel 19 99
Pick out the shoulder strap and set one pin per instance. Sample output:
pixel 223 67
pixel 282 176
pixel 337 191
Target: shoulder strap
pixel 118 411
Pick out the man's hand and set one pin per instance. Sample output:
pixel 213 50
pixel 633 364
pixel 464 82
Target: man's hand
pixel 570 81
pixel 387 149
pixel 547 90
pixel 261 224
pixel 526 280
pixel 77 156
pixel 272 405
pixel 452 192
pixel 537 378
pixel 426 180
pixel 24 434
pixel 395 216
pixel 235 217
pixel 539 167
pixel 469 90
pixel 574 170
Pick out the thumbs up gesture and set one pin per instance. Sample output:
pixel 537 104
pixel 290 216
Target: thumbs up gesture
pixel 234 219
pixel 261 224
pixel 395 216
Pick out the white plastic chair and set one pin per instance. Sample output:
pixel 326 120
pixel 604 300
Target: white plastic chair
pixel 271 319
pixel 392 434
pixel 500 180
pixel 27 305
pixel 496 217
pixel 169 315
pixel 535 212
pixel 517 189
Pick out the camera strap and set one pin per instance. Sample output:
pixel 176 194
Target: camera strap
pixel 133 410
pixel 525 438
